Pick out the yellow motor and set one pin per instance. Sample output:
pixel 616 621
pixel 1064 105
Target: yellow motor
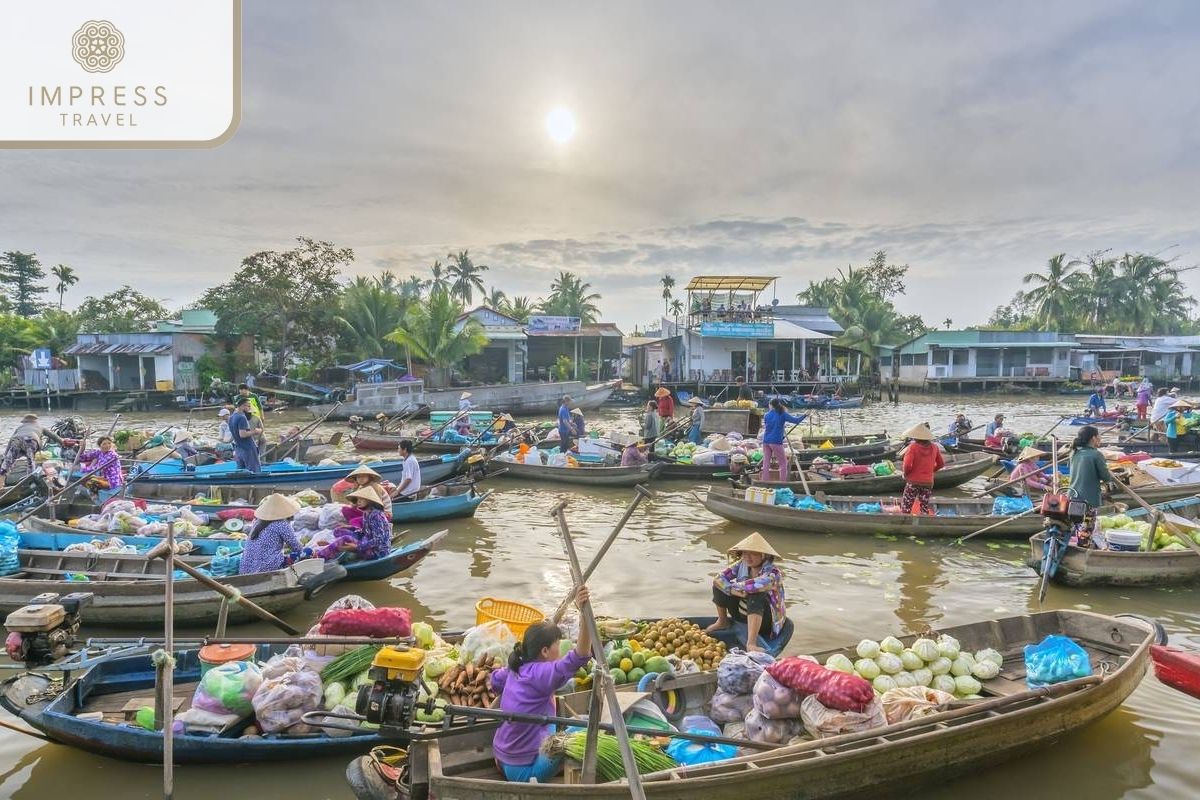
pixel 392 663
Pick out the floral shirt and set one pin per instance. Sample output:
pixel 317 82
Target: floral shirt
pixel 1034 477
pixel 376 538
pixel 770 580
pixel 108 464
pixel 264 553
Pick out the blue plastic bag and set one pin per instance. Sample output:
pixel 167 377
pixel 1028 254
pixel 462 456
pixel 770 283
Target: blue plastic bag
pixel 784 496
pixel 869 508
pixel 688 752
pixel 1007 506
pixel 1054 660
pixel 807 503
pixel 225 564
pixel 9 544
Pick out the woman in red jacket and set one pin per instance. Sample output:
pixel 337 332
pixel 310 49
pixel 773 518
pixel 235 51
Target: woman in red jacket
pixel 922 458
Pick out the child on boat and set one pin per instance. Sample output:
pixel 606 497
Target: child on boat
pixel 751 591
pixel 527 686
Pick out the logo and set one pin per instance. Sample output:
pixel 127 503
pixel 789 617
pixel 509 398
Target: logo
pixel 98 46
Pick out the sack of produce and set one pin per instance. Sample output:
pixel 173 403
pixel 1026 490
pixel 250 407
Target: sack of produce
pixel 198 721
pixel 491 638
pixel 688 752
pixel 738 670
pixel 912 702
pixel 771 731
pixel 244 514
pixel 852 469
pixel 280 702
pixel 330 516
pixel 307 519
pixel 821 721
pixel 228 688
pixel 725 707
pixel 1055 659
pixel 774 700
pixel 374 622
pixel 835 689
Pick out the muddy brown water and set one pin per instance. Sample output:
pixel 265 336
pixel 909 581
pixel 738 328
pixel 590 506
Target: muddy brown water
pixel 840 589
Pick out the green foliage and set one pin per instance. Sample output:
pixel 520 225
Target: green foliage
pixel 122 311
pixel 21 335
pixel 371 309
pixel 465 276
pixel 571 297
pixel 563 369
pixel 19 276
pixel 519 308
pixel 668 283
pixel 66 279
pixel 429 331
pixel 288 300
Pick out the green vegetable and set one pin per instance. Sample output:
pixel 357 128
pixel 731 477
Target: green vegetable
pixel 609 766
pixel 335 693
pixel 423 631
pixel 350 663
pixel 839 662
pixel 618 675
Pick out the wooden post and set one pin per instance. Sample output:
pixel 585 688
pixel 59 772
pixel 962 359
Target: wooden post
pixel 166 670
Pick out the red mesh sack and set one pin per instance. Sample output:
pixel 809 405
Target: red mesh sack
pixel 244 514
pixel 837 690
pixel 375 622
pixel 853 469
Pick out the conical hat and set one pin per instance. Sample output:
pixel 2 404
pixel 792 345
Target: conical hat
pixel 464 395
pixel 720 444
pixel 695 401
pixel 182 436
pixel 920 432
pixel 754 543
pixel 363 469
pixel 1031 452
pixel 367 493
pixel 275 507
pixel 1181 404
pixel 661 392
pixel 577 411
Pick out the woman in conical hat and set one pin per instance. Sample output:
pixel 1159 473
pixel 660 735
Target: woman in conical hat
pixel 1027 467
pixel 750 591
pixel 922 458
pixel 270 536
pixel 375 537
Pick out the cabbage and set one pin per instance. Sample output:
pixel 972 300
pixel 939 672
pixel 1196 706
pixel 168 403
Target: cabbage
pixel 943 683
pixel 867 649
pixel 940 666
pixel 889 663
pixel 927 649
pixel 839 662
pixel 883 683
pixel 866 668
pixel 905 680
pixel 334 693
pixel 1106 522
pixel 911 660
pixel 892 645
pixel 965 684
pixel 985 670
pixel 922 676
pixel 1119 520
pixel 962 665
pixel 948 647
pixel 988 654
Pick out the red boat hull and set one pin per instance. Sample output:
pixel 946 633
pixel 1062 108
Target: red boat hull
pixel 1177 668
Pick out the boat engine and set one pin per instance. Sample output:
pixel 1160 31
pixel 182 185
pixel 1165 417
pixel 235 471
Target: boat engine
pixel 45 630
pixel 391 699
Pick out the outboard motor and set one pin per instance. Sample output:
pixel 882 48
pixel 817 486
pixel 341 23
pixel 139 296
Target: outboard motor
pixel 45 630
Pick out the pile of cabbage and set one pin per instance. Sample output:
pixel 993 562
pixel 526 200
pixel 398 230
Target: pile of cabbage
pixel 1163 538
pixel 939 664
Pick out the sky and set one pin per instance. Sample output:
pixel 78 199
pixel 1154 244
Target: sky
pixel 970 141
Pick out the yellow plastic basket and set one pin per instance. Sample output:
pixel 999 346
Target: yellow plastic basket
pixel 517 616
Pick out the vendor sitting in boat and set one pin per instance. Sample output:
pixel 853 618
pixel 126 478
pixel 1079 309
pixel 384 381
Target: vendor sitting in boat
pixel 961 426
pixel 271 543
pixel 1035 477
pixel 751 591
pixel 183 445
pixel 633 455
pixel 375 539
pixel 578 424
pixel 361 476
pixel 502 424
pixel 1096 405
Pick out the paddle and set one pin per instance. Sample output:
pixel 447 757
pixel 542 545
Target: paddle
pixel 401 417
pixel 1006 520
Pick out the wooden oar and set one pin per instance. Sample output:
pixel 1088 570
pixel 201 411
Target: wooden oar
pixel 401 417
pixel 1026 512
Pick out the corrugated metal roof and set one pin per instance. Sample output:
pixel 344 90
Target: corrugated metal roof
pixel 105 349
pixel 729 283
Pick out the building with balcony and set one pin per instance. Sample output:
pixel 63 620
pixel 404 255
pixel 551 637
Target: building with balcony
pixel 961 358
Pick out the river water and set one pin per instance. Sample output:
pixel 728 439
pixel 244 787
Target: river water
pixel 840 589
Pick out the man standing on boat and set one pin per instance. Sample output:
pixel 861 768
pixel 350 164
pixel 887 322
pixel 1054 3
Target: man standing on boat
pixel 245 433
pixel 24 443
pixel 410 480
pixel 566 429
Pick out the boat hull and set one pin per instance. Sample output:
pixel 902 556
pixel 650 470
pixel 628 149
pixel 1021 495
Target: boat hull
pixel 954 474
pixel 1089 567
pixel 514 398
pixel 585 476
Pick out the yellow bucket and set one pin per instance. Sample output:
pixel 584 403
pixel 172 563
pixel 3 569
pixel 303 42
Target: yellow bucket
pixel 517 616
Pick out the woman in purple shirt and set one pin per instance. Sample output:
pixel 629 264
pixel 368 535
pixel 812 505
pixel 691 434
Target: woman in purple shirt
pixel 270 535
pixel 105 462
pixel 527 686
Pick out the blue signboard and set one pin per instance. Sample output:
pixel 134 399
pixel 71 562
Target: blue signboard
pixel 738 330
pixel 41 358
pixel 546 324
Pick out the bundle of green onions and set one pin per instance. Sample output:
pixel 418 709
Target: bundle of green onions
pixel 350 663
pixel 609 766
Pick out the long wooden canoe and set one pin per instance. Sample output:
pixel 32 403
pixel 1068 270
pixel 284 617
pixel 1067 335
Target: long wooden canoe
pixel 582 475
pixel 38 533
pixel 1009 720
pixel 374 440
pixel 955 517
pixel 854 453
pixel 959 469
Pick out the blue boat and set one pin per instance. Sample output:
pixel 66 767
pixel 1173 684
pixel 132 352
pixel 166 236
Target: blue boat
pixel 735 635
pixel 44 534
pixel 429 509
pixel 395 562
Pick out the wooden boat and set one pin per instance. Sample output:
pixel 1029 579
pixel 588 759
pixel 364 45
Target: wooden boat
pixel 398 560
pixel 959 469
pixel 394 397
pixel 375 440
pixel 880 762
pixel 283 474
pixel 867 453
pixel 825 403
pixel 1090 567
pixel 38 533
pixel 583 474
pixel 955 517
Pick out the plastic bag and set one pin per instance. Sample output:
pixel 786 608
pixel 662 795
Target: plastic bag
pixel 773 700
pixel 808 503
pixel 868 508
pixel 374 622
pixel 491 638
pixel 308 519
pixel 224 564
pixel 725 707
pixel 688 752
pixel 784 496
pixel 821 721
pixel 283 663
pixel 738 670
pixel 280 702
pixel 1054 660
pixel 9 561
pixel 1004 506
pixel 330 516
pixel 197 720
pixel 839 690
pixel 771 731
pixel 911 702
pixel 228 689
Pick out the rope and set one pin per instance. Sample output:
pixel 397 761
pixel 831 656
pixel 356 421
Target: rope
pixel 234 594
pixel 53 689
pixel 161 658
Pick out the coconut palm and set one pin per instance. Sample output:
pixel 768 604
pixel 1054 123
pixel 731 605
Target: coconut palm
pixel 677 309
pixel 949 323
pixel 496 300
pixel 1052 295
pixel 440 278
pixel 571 297
pixel 371 309
pixel 432 332
pixel 66 279
pixel 668 283
pixel 465 276
pixel 519 308
pixel 413 286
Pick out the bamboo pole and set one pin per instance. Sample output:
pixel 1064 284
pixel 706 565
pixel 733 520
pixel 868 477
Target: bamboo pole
pixel 166 673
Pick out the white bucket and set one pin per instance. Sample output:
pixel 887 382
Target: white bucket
pixel 1123 540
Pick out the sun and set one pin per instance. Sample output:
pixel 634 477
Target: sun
pixel 560 125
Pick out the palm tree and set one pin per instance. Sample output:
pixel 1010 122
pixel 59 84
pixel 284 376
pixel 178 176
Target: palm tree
pixel 496 300
pixel 519 308
pixel 677 309
pixel 466 276
pixel 371 309
pixel 431 331
pixel 668 283
pixel 440 279
pixel 66 279
pixel 413 286
pixel 949 323
pixel 1052 298
pixel 571 297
